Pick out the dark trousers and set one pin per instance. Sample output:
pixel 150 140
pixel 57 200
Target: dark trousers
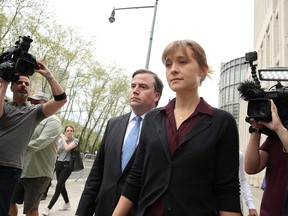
pixel 8 179
pixel 50 184
pixel 62 174
pixel 47 189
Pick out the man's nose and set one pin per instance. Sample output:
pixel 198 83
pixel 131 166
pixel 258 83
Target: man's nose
pixel 135 90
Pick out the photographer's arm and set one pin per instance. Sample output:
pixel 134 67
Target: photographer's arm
pixel 254 162
pixel 283 135
pixel 255 159
pixel 67 147
pixel 52 106
pixel 3 88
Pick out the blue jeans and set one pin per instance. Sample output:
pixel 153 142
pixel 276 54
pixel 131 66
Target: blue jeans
pixel 9 177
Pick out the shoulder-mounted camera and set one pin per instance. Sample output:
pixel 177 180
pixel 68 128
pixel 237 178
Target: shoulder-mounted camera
pixel 16 61
pixel 259 107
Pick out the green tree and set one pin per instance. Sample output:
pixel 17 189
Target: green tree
pixel 95 92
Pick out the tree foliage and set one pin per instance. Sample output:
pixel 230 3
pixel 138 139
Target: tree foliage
pixel 95 92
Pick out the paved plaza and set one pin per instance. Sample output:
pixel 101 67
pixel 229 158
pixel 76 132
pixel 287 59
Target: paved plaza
pixel 75 189
pixel 75 185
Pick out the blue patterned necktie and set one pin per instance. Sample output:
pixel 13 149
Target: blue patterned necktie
pixel 130 142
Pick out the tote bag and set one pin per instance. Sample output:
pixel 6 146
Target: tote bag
pixel 76 162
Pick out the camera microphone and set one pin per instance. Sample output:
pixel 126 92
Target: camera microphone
pixel 250 90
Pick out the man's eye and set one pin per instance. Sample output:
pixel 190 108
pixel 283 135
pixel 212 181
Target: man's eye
pixel 143 86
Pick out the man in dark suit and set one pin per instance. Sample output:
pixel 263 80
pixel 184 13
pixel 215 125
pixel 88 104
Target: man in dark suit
pixel 106 179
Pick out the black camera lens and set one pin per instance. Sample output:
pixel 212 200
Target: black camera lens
pixel 259 109
pixel 24 67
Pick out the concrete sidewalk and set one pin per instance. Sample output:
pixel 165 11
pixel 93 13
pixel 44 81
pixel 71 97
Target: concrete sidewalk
pixel 75 189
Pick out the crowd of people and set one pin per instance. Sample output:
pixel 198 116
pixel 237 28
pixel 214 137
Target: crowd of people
pixel 39 162
pixel 180 159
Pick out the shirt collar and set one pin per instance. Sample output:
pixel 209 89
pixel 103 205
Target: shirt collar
pixel 202 107
pixel 133 115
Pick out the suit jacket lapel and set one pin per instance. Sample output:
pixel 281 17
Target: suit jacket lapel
pixel 160 126
pixel 120 139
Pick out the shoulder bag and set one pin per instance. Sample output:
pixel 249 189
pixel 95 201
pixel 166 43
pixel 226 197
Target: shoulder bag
pixel 76 162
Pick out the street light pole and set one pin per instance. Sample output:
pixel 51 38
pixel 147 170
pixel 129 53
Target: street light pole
pixel 112 19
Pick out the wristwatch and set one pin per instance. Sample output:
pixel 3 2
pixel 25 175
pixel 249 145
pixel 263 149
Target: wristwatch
pixel 254 130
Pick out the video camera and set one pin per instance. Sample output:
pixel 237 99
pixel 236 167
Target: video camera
pixel 16 61
pixel 259 107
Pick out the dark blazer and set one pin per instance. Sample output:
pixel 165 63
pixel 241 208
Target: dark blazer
pixel 201 178
pixel 105 181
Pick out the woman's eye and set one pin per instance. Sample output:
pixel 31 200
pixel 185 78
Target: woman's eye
pixel 168 65
pixel 183 62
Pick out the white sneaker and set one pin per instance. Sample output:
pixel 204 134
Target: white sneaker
pixel 65 206
pixel 46 212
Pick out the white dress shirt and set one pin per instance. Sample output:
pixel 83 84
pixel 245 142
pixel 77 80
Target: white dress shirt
pixel 244 186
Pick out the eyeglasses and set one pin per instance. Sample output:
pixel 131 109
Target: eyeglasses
pixel 69 130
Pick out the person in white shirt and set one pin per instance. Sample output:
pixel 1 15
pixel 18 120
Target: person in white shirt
pixel 245 189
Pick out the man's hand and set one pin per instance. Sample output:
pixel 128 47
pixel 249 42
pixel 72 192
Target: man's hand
pixel 3 88
pixel 60 98
pixel 43 70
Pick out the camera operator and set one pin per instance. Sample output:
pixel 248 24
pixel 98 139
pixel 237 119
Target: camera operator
pixel 18 120
pixel 272 154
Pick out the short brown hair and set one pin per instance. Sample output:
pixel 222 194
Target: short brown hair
pixel 70 127
pixel 158 85
pixel 197 52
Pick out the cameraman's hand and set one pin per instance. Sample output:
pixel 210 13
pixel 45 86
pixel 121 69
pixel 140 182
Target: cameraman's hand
pixel 3 81
pixel 255 124
pixel 43 70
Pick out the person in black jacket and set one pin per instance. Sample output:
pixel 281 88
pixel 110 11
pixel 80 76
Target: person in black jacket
pixel 104 184
pixel 187 160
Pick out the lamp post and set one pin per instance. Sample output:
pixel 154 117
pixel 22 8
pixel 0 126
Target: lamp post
pixel 112 19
